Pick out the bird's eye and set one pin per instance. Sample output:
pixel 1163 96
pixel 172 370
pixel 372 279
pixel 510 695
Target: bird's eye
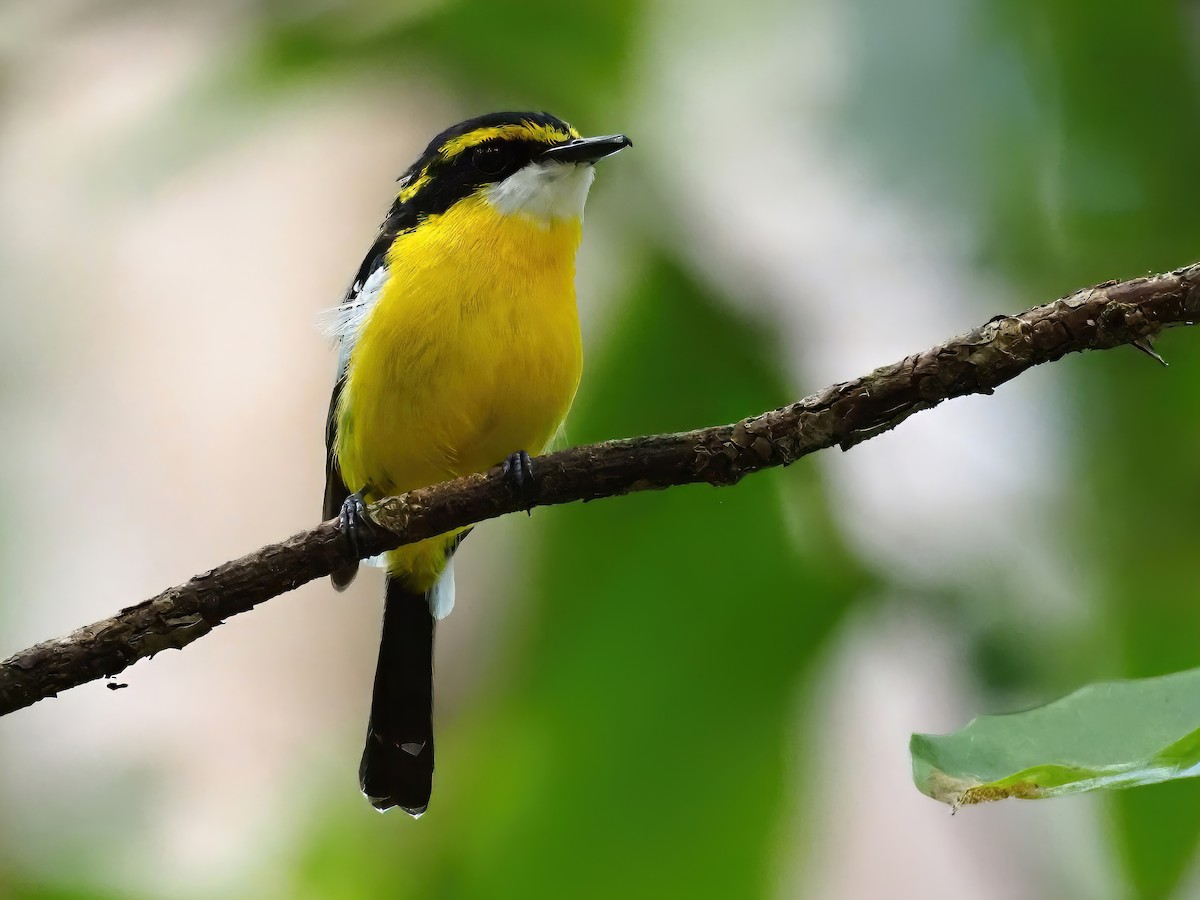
pixel 491 159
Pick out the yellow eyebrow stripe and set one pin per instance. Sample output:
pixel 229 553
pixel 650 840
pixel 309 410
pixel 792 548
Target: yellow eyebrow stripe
pixel 525 130
pixel 528 131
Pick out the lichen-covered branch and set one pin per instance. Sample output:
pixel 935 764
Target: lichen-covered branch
pixel 843 415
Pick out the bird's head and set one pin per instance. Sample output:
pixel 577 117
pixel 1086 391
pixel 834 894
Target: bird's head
pixel 522 163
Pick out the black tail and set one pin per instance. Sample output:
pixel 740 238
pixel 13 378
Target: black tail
pixel 397 764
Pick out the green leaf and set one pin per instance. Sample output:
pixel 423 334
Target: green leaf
pixel 1104 736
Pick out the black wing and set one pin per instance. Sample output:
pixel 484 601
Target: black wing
pixel 336 490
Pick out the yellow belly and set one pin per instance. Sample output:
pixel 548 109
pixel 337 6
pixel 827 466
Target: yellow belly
pixel 471 353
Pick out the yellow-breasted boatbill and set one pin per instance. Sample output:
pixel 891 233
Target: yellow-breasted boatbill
pixel 458 350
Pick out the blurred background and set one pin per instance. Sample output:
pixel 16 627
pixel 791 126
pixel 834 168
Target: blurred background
pixel 694 693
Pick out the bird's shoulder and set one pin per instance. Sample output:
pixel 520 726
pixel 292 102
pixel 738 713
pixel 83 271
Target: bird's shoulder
pixel 343 323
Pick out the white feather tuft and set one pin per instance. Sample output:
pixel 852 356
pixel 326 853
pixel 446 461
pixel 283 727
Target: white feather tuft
pixel 343 324
pixel 544 191
pixel 441 598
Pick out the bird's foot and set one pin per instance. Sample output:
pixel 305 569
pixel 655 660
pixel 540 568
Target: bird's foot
pixel 354 520
pixel 518 475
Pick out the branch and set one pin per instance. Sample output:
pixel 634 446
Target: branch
pixel 1098 318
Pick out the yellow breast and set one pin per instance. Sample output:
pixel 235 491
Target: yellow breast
pixel 471 353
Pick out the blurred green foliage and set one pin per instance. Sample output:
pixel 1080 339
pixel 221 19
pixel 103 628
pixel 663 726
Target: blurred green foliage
pixel 1125 125
pixel 629 737
pixel 676 725
pixel 640 742
pixel 1065 138
pixel 574 57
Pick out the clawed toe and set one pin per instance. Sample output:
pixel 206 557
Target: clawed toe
pixel 518 474
pixel 353 520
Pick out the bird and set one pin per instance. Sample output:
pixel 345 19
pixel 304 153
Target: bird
pixel 459 349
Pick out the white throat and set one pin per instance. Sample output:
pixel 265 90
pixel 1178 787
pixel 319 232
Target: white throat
pixel 544 191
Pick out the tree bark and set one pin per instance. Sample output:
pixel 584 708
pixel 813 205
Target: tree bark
pixel 843 415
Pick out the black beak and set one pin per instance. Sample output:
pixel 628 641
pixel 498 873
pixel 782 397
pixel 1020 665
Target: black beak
pixel 587 150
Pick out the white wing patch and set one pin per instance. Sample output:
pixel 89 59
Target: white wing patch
pixel 441 598
pixel 343 324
